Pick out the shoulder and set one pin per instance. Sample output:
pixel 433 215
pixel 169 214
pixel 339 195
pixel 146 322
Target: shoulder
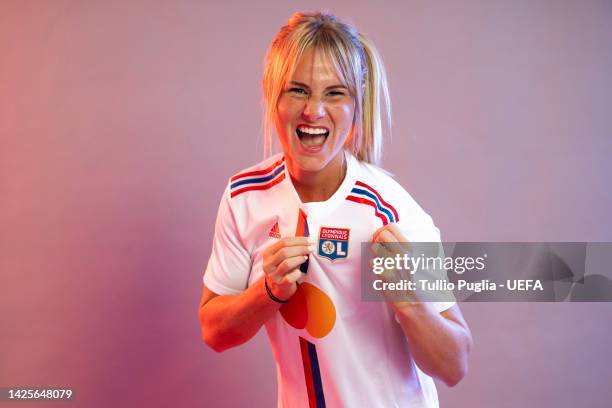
pixel 410 216
pixel 381 178
pixel 385 188
pixel 250 194
pixel 261 176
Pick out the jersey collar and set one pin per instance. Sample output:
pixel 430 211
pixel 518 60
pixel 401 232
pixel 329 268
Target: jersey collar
pixel 321 208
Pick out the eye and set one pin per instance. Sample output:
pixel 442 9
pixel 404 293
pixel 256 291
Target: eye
pixel 336 93
pixel 297 91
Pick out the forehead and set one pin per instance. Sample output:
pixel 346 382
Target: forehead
pixel 316 67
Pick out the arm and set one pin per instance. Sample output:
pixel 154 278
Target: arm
pixel 236 311
pixel 439 342
pixel 230 320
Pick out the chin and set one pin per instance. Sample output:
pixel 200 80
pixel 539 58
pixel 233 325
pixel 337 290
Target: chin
pixel 311 164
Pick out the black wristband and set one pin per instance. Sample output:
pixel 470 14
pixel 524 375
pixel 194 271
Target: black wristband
pixel 274 298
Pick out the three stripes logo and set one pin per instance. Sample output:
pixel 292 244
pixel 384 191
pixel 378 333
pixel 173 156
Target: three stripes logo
pixel 274 231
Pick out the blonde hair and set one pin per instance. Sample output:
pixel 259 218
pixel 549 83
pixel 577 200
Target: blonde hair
pixel 357 62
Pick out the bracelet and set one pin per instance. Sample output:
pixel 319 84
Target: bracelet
pixel 274 298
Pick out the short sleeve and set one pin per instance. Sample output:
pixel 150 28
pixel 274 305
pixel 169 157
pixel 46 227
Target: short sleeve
pixel 229 265
pixel 418 227
pixel 442 306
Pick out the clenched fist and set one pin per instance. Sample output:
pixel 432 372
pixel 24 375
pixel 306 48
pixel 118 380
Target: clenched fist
pixel 281 262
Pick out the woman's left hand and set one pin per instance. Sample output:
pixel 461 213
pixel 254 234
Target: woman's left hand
pixel 389 233
pixel 389 242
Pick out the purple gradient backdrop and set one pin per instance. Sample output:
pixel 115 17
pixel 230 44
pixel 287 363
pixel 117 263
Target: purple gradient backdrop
pixel 121 121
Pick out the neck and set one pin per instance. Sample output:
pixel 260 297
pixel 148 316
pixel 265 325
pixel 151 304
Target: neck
pixel 320 185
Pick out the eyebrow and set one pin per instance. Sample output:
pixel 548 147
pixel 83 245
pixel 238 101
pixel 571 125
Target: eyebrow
pixel 307 87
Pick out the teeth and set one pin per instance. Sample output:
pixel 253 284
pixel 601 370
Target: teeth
pixel 312 137
pixel 312 131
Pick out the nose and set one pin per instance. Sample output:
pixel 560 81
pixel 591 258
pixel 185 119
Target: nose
pixel 314 109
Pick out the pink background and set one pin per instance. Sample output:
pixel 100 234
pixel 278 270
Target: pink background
pixel 121 121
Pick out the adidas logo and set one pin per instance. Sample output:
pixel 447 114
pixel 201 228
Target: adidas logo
pixel 274 231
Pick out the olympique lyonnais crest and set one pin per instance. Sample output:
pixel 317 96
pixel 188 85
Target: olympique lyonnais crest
pixel 333 243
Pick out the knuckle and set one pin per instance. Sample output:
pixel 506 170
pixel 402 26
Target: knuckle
pixel 282 267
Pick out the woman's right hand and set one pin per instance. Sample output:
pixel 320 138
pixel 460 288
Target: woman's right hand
pixel 281 262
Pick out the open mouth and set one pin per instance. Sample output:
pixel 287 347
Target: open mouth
pixel 312 137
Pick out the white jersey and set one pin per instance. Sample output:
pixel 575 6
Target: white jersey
pixel 331 348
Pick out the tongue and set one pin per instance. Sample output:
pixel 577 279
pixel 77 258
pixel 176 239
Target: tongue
pixel 312 140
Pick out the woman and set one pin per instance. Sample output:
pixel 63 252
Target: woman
pixel 286 252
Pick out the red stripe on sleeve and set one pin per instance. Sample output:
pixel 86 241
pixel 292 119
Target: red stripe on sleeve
pixel 257 172
pixel 360 200
pixel 362 184
pixel 275 181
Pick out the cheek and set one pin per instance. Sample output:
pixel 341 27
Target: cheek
pixel 281 113
pixel 288 108
pixel 343 116
pixel 283 116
